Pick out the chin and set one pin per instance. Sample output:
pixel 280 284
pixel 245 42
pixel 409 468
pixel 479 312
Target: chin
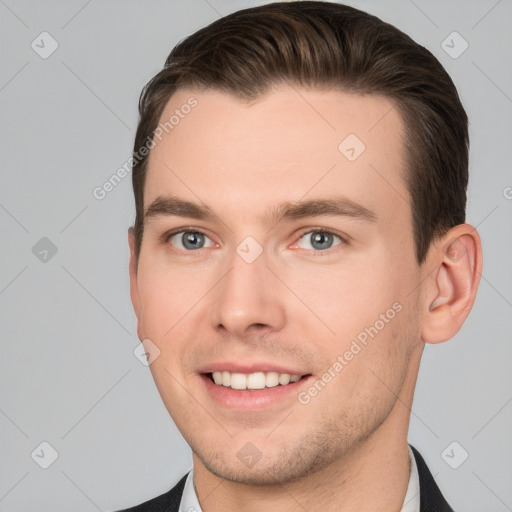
pixel 284 465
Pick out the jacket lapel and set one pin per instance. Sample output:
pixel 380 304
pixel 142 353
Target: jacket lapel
pixel 431 499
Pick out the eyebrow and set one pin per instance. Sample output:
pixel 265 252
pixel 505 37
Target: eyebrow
pixel 331 206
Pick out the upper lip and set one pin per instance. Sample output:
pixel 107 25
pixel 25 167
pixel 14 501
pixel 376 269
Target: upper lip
pixel 248 368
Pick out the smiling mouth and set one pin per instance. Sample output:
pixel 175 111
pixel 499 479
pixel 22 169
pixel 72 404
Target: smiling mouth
pixel 253 381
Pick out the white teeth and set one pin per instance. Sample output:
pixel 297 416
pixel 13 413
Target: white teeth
pixel 284 379
pixel 238 381
pixel 272 379
pixel 257 380
pixel 226 378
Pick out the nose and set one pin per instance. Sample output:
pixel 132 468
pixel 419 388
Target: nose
pixel 249 299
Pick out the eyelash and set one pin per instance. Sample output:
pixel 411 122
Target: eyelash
pixel 344 240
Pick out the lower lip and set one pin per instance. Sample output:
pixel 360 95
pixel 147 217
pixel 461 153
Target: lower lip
pixel 252 399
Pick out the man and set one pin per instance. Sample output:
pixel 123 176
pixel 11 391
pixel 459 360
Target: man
pixel 300 174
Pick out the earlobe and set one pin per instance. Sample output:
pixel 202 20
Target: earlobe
pixel 457 260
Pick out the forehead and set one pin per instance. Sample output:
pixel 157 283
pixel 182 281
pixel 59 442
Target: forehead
pixel 285 145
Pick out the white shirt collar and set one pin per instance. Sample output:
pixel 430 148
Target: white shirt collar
pixel 412 496
pixel 190 503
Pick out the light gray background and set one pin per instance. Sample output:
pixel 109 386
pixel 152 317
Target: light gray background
pixel 68 373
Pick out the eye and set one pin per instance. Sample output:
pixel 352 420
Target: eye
pixel 190 240
pixel 319 240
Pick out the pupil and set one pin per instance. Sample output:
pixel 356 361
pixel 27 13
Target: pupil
pixel 321 240
pixel 192 240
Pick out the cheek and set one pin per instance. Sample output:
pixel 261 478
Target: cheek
pixel 347 298
pixel 174 306
pixel 166 296
pixel 167 302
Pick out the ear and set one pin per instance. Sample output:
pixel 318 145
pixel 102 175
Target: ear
pixel 134 286
pixel 451 288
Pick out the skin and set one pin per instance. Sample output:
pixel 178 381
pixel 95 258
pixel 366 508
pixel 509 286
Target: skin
pixel 295 305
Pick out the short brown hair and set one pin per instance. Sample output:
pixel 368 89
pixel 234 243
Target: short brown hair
pixel 329 46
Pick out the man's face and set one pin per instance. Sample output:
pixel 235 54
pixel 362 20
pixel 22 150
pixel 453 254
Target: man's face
pixel 246 291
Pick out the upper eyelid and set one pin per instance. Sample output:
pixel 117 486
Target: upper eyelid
pixel 318 229
pixel 172 233
pixel 322 230
pixel 167 236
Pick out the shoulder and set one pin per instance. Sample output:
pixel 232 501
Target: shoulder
pixel 431 499
pixel 167 502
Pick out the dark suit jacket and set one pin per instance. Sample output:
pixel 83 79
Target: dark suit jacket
pixel 431 499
